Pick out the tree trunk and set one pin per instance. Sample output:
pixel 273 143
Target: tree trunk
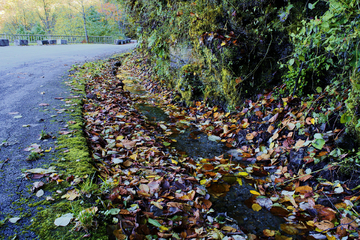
pixel 84 18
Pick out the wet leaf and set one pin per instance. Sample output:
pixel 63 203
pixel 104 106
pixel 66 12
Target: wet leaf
pixel 318 143
pixel 214 138
pixel 255 192
pixel 256 207
pixel 304 189
pixel 64 220
pixel 14 219
pixel 289 229
pixel 71 194
pixel 154 222
pixel 269 233
pixel 324 225
pixel 40 193
pixel 41 170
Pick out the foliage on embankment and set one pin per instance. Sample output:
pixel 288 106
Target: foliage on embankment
pixel 225 51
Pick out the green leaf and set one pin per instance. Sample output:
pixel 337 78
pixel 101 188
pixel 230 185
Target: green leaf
pixel 319 89
pixel 214 138
pixel 154 222
pixel 318 144
pixel 318 136
pixel 166 144
pixel 345 118
pixel 114 211
pixel 152 39
pixel 291 61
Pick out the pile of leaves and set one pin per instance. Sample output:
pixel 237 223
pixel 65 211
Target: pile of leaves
pixel 292 151
pixel 148 189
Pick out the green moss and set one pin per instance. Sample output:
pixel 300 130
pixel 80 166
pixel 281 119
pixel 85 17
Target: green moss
pixel 44 225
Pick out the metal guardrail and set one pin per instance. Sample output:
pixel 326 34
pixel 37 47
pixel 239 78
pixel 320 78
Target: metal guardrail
pixel 33 38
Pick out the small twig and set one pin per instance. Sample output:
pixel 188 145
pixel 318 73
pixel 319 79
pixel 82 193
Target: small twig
pixel 258 65
pixel 297 78
pixel 6 160
pixel 292 179
pixel 340 225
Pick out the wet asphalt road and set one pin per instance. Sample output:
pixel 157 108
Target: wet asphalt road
pixel 29 76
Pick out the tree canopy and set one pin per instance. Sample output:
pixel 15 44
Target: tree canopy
pixel 62 17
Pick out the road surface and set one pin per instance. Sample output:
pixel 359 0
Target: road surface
pixel 29 76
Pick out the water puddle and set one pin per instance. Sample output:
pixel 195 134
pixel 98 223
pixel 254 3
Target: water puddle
pixel 132 85
pixel 153 113
pixel 195 144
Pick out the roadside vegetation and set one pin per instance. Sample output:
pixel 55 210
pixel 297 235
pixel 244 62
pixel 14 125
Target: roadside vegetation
pixel 275 83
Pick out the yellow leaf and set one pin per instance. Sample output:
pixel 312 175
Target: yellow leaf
pixel 256 207
pixel 330 237
pixel 269 233
pixel 228 229
pixel 203 182
pixel 313 121
pixel 255 192
pixel 48 150
pixel 242 174
pixel 162 228
pixel 174 161
pixel 310 223
pixel 239 180
pixel 120 137
pixel 133 157
pixel 158 205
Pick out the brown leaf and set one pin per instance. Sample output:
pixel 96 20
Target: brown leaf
pixel 324 225
pixel 269 233
pixel 270 128
pixel 299 143
pixel 189 196
pixel 325 213
pixel 289 229
pixel 279 211
pixel 249 136
pixel 128 143
pixel 127 163
pixel 273 119
pixel 71 194
pixel 303 189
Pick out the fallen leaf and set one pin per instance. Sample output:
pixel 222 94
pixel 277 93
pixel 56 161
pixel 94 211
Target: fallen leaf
pixel 71 194
pixel 40 193
pixel 214 138
pixel 303 189
pixel 41 170
pixel 269 233
pixel 14 219
pixel 273 119
pixel 289 229
pixel 64 220
pixel 43 104
pixel 128 144
pixel 256 207
pixel 255 192
pixel 228 229
pixel 324 225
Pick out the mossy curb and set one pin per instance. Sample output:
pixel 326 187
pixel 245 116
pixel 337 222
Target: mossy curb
pixel 73 158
